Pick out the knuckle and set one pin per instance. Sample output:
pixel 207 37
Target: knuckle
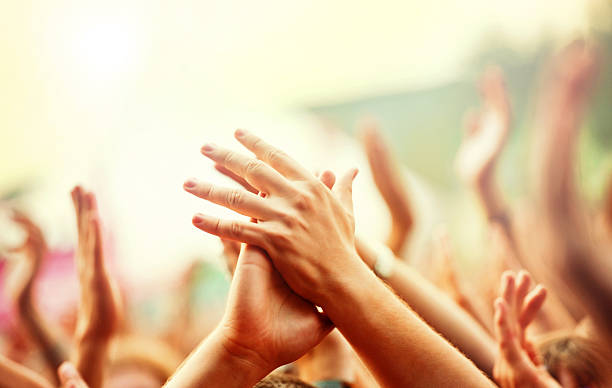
pixel 303 201
pixel 274 155
pixel 234 197
pixel 235 229
pixel 279 237
pixel 252 166
pixel 210 191
pixel 228 158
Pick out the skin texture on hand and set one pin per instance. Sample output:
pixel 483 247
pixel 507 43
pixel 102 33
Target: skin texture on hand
pixel 517 364
pixel 438 310
pixel 389 180
pixel 34 249
pixel 308 232
pixel 14 375
pixel 292 199
pixel 100 307
pixel 70 377
pixel 265 326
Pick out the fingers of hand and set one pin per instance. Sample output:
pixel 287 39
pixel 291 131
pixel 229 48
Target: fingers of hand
pixel 236 178
pixel 508 289
pixel 508 343
pixel 70 377
pixel 239 200
pixel 328 178
pixel 242 231
pixel 277 159
pixel 344 188
pixel 532 305
pixel 523 284
pixel 257 173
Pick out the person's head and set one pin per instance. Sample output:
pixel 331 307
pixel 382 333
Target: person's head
pixel 574 361
pixel 281 380
pixel 141 362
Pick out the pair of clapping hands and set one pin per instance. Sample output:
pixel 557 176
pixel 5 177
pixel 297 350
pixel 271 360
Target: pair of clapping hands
pixel 299 250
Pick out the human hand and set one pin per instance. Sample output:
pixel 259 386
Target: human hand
pixel 389 180
pixel 313 263
pixel 517 364
pixel 264 319
pixel 486 132
pixel 33 249
pixel 100 307
pixel 70 377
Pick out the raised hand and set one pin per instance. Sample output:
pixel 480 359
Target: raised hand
pixel 33 250
pixel 517 364
pixel 265 326
pixel 70 377
pixel 265 316
pixel 100 306
pixel 307 230
pixel 486 132
pixel 389 180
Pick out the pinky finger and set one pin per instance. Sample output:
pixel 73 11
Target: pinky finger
pixel 241 231
pixel 533 303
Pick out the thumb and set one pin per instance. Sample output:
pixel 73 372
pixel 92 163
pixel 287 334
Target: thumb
pixel 344 188
pixel 70 377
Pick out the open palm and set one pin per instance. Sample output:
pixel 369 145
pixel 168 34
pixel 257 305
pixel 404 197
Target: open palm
pixel 266 317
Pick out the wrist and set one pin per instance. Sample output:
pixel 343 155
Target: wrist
pixel 252 365
pixel 219 362
pixel 343 288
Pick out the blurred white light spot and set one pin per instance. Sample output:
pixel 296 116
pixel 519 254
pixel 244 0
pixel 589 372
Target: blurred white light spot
pixel 104 48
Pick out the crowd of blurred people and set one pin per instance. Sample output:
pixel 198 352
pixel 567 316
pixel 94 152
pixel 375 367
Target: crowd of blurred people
pixel 312 304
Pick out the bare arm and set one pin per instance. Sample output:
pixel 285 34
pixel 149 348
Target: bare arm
pixel 99 308
pixel 437 309
pixel 39 330
pixel 14 375
pixel 576 261
pixel 389 180
pixel 313 249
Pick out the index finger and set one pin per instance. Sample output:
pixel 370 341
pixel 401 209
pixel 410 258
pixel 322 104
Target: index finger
pixel 255 172
pixel 276 158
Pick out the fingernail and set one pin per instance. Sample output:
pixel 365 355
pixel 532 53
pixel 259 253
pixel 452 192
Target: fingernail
pixel 197 219
pixel 209 147
pixel 190 183
pixel 68 371
pixel 355 173
pixel 240 132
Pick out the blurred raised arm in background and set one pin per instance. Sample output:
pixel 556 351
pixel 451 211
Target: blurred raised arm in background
pixel 100 306
pixel 582 270
pixel 390 181
pixel 486 134
pixel 15 375
pixel 322 265
pixel 39 330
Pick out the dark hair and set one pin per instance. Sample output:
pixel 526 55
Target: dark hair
pixel 281 380
pixel 584 359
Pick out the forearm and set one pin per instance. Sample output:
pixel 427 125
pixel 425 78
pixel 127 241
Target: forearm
pixel 14 375
pixel 439 311
pixel 383 330
pixel 215 363
pixel 39 331
pixel 90 358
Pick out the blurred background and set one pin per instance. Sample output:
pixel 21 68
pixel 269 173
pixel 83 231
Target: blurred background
pixel 120 95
